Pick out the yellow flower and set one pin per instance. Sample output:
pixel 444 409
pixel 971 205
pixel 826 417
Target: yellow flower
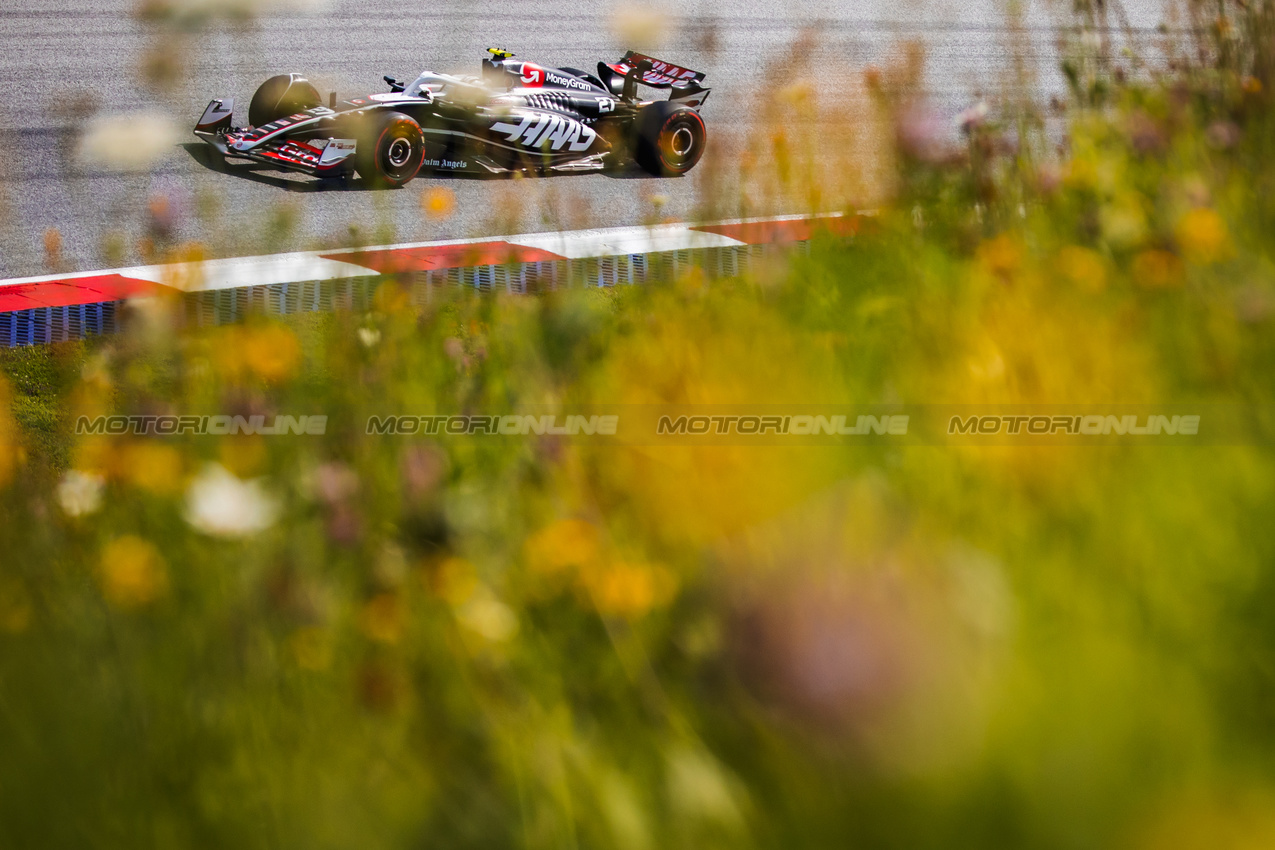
pixel 243 454
pixel 133 574
pixel 564 544
pixel 272 352
pixel 153 466
pixel 382 619
pixel 1081 174
pixel 1157 269
pixel 438 203
pixel 1001 256
pixel 1203 236
pixel 454 580
pixel 628 589
pixel 1082 267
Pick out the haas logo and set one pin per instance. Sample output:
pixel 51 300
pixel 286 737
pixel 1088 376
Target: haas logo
pixel 547 130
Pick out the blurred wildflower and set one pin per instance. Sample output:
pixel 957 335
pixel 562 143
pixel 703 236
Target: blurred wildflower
pixel 152 466
pixel 80 493
pixel 220 505
pixel 369 337
pixel 1223 135
pixel 827 651
pixel 1254 305
pixel 162 216
pixel 244 455
pixel 454 580
pixel 335 482
pixel 336 485
pixel 1157 269
pixel 163 62
pixel 921 134
pixel 973 118
pixel 381 618
pixel 380 687
pixel 628 590
pixel 1001 256
pixel 130 142
pixel 132 572
pixel 15 607
pixel 53 250
pixel 488 617
pixel 438 203
pixel 1082 267
pixel 422 470
pixel 1146 135
pixel 271 351
pixel 1124 221
pixel 193 11
pixel 1203 236
pixel 564 544
pixel 641 26
pixel 1081 173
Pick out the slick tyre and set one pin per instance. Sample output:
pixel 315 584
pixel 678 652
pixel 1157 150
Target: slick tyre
pixel 391 151
pixel 669 139
pixel 281 96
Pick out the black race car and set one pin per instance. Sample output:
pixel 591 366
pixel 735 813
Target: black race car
pixel 515 117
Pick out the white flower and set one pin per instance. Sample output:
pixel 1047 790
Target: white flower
pixel 80 493
pixel 219 504
pixel 369 337
pixel 129 142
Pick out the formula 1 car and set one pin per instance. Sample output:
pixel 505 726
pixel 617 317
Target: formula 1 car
pixel 515 117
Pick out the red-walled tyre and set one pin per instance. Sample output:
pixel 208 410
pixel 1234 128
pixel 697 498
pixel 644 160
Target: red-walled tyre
pixel 669 139
pixel 391 151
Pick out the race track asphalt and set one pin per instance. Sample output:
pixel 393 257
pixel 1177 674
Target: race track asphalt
pixel 64 60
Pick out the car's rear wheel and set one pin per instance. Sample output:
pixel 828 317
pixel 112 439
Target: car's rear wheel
pixel 669 139
pixel 281 96
pixel 391 152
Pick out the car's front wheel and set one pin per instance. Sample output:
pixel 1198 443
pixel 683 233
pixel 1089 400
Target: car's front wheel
pixel 669 139
pixel 391 153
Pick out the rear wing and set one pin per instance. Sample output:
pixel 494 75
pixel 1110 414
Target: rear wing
pixel 686 86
